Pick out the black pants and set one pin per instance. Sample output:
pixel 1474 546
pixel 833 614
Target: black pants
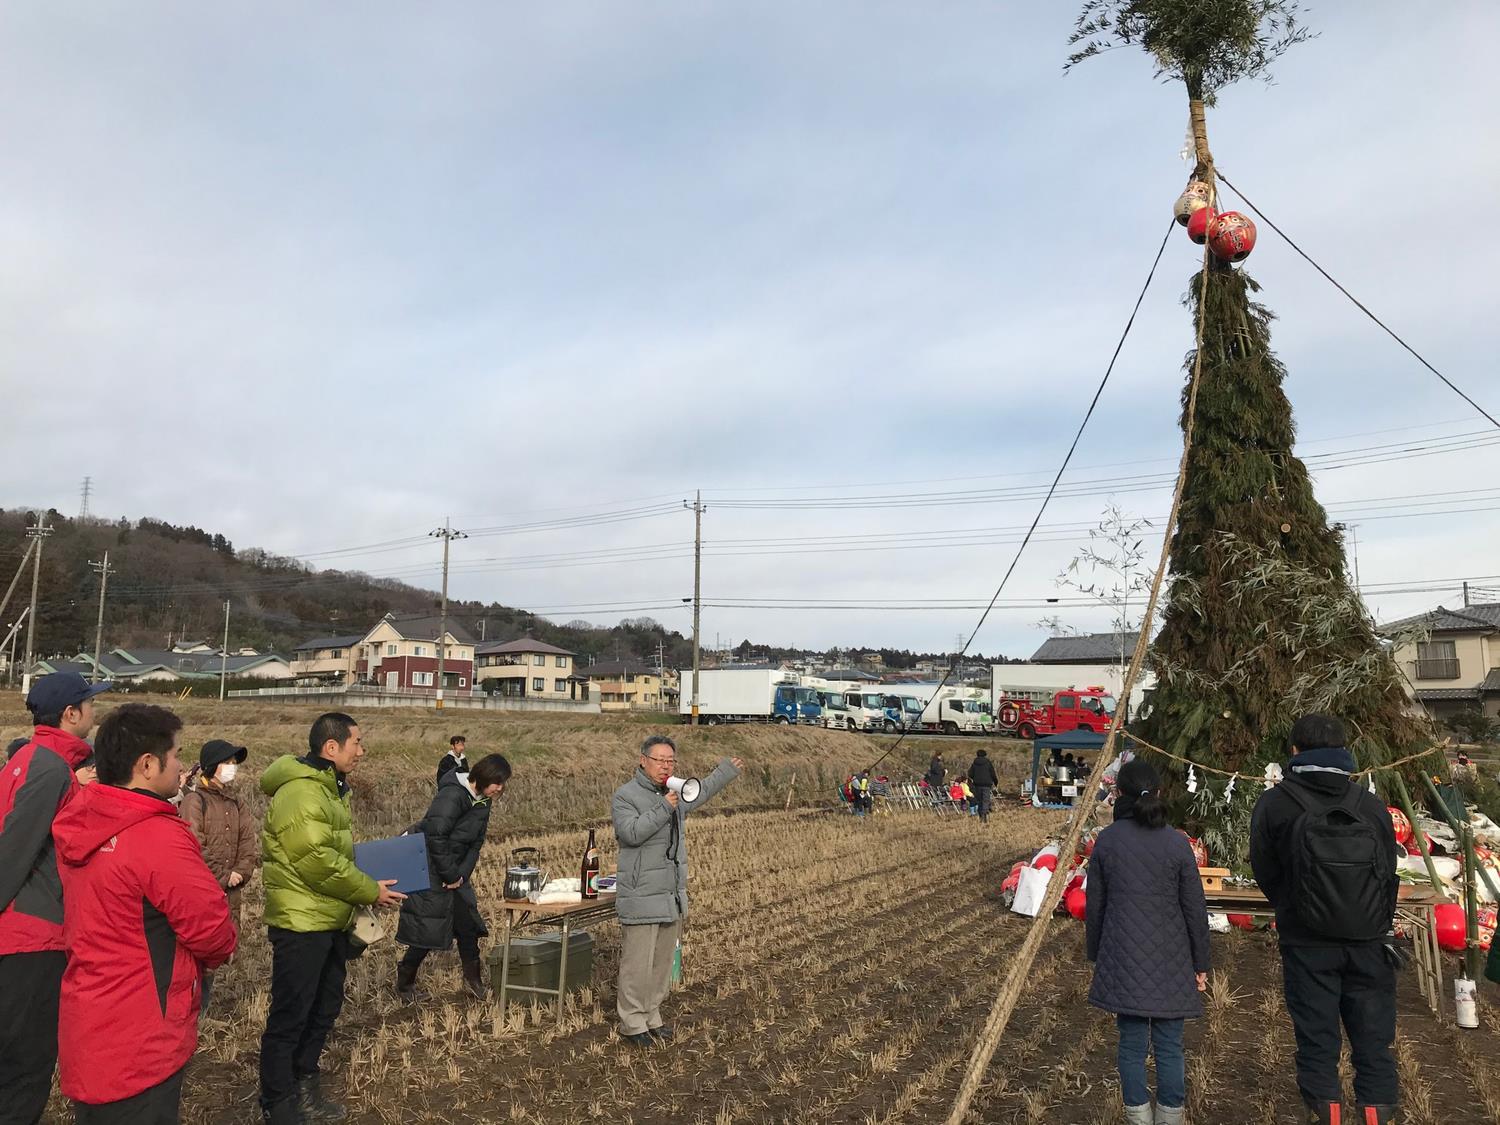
pixel 983 796
pixel 29 987
pixel 307 992
pixel 1352 986
pixel 156 1105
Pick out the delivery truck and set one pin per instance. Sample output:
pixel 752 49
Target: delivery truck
pixel 748 695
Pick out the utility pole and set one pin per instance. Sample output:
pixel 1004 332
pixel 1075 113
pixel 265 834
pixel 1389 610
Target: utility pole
pixel 102 570
pixel 15 631
pixel 16 581
pixel 698 510
pixel 661 676
pixel 38 532
pixel 1466 595
pixel 447 535
pixel 224 654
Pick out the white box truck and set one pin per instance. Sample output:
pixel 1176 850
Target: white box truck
pixel 747 695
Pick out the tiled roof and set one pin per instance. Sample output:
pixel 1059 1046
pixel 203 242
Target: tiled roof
pixel 1432 695
pixel 347 641
pixel 424 627
pixel 1094 648
pixel 1492 681
pixel 1470 619
pixel 612 669
pixel 524 645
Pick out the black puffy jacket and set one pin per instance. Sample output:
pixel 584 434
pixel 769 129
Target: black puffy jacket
pixel 982 772
pixel 455 827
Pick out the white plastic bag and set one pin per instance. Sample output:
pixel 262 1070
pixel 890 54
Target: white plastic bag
pixel 1031 891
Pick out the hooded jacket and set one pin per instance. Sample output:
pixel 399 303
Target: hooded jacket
pixel 225 829
pixel 307 848
pixel 145 918
pixel 455 827
pixel 982 772
pixel 1276 813
pixel 652 883
pixel 35 784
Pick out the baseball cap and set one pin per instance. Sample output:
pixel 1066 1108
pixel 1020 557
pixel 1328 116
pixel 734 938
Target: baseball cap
pixel 216 750
pixel 56 691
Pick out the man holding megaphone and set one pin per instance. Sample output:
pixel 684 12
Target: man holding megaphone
pixel 651 888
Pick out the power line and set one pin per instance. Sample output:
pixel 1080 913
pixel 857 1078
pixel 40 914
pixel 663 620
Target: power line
pixel 1061 469
pixel 1357 302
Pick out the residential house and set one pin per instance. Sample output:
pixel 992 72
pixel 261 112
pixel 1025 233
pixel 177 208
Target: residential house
pixel 135 663
pixel 333 659
pixel 1457 667
pixel 526 668
pixel 400 654
pixel 1091 648
pixel 139 665
pixel 192 647
pixel 622 685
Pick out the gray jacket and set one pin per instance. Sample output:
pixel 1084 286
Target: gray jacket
pixel 652 882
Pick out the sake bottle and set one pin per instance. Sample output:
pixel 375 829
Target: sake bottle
pixel 588 876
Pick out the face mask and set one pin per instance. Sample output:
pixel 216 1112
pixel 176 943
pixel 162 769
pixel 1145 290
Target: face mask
pixel 226 772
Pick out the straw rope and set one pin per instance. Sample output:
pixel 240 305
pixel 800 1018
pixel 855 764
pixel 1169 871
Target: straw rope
pixel 1144 745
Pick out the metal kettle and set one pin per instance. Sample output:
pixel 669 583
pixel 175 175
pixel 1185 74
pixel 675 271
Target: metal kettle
pixel 524 874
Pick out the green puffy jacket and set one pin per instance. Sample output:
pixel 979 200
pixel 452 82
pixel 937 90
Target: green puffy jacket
pixel 307 850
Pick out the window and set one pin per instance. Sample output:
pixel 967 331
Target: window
pixel 1067 702
pixel 559 685
pixel 539 660
pixel 390 650
pixel 562 661
pixel 538 684
pixel 1437 660
pixel 421 679
pixel 462 682
pixel 338 654
pixel 419 650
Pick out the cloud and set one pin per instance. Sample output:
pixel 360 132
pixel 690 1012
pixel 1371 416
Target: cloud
pixel 317 281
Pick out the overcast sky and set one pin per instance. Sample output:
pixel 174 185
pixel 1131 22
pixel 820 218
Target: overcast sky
pixel 319 276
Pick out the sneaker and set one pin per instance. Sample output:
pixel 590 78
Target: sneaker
pixel 662 1034
pixel 641 1039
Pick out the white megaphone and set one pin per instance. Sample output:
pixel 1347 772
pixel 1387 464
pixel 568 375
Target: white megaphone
pixel 687 788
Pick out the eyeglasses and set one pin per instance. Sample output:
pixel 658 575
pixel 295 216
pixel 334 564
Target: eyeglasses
pixel 663 761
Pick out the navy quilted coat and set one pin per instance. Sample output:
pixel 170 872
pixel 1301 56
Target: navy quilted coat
pixel 1147 923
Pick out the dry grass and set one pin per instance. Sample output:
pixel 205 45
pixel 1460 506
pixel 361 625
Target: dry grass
pixel 837 970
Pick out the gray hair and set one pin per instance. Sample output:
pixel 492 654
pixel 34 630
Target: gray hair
pixel 657 740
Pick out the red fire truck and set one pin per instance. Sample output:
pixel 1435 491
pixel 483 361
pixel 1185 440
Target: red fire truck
pixel 1073 709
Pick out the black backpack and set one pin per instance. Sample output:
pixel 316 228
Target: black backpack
pixel 1340 887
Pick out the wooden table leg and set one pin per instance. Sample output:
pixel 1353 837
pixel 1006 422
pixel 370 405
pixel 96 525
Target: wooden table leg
pixel 498 1020
pixel 562 968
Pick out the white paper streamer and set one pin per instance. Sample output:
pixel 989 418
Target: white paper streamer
pixel 1192 781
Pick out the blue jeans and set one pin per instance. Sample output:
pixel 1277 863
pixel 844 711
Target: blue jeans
pixel 1164 1039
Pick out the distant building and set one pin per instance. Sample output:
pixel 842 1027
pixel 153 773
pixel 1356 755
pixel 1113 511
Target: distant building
pixel 1457 667
pixel 334 659
pixel 527 669
pixel 622 685
pixel 1091 648
pixel 141 665
pixel 401 654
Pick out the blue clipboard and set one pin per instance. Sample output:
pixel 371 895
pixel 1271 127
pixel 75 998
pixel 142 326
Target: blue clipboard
pixel 402 858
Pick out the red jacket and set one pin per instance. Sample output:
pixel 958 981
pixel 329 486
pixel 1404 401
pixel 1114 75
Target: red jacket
pixel 34 785
pixel 144 919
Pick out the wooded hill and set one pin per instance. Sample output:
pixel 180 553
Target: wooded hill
pixel 168 583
